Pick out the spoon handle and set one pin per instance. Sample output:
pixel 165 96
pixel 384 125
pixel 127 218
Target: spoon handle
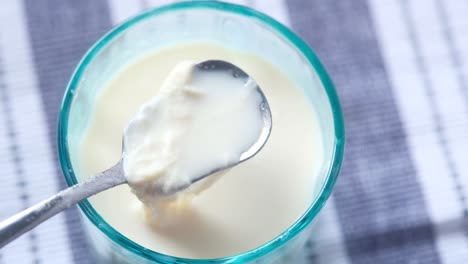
pixel 18 224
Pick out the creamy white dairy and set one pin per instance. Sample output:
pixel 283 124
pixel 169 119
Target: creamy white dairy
pixel 198 122
pixel 249 205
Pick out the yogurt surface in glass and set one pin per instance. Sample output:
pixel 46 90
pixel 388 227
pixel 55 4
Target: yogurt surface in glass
pixel 247 207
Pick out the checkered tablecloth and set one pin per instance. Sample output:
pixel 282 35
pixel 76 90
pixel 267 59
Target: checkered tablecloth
pixel 400 68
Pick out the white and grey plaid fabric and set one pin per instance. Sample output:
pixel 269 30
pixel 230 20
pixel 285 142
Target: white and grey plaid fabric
pixel 401 70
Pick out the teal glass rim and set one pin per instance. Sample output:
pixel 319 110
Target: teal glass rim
pixel 276 27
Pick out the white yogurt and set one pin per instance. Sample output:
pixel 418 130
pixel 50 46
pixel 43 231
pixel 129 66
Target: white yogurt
pixel 249 205
pixel 199 121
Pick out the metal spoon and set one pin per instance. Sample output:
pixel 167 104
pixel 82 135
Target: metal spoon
pixel 18 224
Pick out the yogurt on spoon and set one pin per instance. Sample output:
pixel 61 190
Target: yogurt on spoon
pixel 197 122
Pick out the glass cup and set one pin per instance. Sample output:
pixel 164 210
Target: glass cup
pixel 232 26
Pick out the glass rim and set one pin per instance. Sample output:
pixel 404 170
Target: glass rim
pixel 302 222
